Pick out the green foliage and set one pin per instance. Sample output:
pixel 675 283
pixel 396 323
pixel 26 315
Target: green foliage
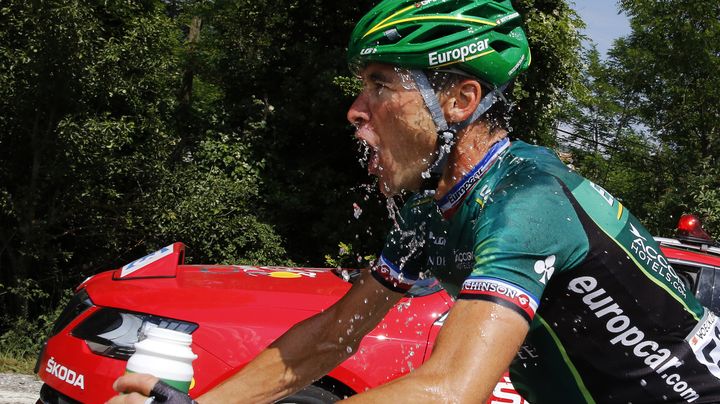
pixel 704 198
pixel 210 204
pixel 672 63
pixel 129 125
pixel 23 339
pixel 650 115
pixel 603 142
pixel 541 92
pixel 98 144
pixel 346 258
pixel 13 364
pixel 350 86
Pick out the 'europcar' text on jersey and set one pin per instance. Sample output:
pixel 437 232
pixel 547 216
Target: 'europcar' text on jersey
pixel 610 320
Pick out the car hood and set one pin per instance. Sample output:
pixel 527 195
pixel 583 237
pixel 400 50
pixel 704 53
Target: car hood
pixel 200 288
pixel 241 309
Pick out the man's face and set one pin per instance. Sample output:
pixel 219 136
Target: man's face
pixel 393 122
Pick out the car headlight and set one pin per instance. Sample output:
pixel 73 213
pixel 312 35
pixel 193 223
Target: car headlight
pixel 76 306
pixel 113 333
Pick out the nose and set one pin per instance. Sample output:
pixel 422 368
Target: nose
pixel 359 113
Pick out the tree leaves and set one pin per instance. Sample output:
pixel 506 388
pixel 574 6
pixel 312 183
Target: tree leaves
pixel 656 101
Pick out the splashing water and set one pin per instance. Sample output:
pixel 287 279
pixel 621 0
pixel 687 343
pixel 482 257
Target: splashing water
pixel 393 211
pixel 364 150
pixel 406 79
pixel 402 306
pixel 356 210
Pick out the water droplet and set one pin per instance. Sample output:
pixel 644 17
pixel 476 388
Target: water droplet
pixel 356 211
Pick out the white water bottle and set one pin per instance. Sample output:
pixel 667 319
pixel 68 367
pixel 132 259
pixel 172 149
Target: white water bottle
pixel 165 354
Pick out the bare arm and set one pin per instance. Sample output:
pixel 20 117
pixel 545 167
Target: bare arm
pixel 309 349
pixel 474 348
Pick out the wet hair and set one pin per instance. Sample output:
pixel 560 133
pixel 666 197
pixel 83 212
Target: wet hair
pixel 498 116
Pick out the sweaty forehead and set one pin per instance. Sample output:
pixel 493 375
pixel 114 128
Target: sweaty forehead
pixel 381 72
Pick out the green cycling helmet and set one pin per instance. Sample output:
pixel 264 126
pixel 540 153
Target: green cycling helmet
pixel 482 38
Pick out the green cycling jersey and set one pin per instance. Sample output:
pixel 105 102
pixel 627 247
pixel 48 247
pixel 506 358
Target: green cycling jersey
pixel 610 320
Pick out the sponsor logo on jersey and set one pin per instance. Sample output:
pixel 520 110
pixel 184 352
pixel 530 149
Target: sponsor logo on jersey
pixel 450 202
pixel 545 268
pixel 464 259
pixel 459 54
pixel 368 51
pixel 623 332
pixel 527 352
pixel 436 260
pixel 438 240
pixel 653 259
pixel 492 288
pixel 603 193
pixel 69 376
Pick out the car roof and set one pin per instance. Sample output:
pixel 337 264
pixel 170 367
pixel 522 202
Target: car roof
pixel 690 251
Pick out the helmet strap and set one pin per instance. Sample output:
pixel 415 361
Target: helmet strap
pixel 446 134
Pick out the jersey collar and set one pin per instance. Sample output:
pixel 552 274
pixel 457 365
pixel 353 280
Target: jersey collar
pixel 449 203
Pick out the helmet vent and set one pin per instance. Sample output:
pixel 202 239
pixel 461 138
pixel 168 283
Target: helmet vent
pixel 500 46
pixel 505 29
pixel 440 8
pixel 438 32
pixel 487 11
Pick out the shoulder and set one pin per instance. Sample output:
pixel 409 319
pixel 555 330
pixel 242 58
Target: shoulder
pixel 527 174
pixel 531 203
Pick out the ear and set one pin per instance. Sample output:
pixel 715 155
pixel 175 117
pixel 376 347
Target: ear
pixel 462 100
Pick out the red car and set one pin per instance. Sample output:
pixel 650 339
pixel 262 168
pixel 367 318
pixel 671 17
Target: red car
pixel 233 312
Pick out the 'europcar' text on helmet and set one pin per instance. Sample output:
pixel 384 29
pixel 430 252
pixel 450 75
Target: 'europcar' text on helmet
pixel 482 38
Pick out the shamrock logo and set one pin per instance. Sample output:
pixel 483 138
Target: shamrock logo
pixel 545 268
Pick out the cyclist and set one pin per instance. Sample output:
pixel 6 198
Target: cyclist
pixel 541 261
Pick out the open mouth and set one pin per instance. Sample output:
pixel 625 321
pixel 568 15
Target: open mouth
pixel 369 156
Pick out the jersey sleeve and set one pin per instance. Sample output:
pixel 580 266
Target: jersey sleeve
pixel 527 233
pixel 401 261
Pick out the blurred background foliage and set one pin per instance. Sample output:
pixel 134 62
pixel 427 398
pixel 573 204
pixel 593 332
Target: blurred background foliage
pixel 126 125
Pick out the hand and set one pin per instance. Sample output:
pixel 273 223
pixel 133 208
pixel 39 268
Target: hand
pixel 140 386
pixel 137 386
